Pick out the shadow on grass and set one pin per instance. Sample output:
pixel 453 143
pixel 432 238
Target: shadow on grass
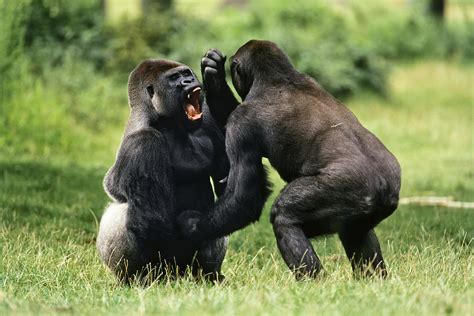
pixel 44 196
pixel 41 194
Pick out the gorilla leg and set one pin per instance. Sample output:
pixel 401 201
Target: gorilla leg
pixel 293 207
pixel 210 257
pixel 295 248
pixel 312 206
pixel 118 248
pixel 363 250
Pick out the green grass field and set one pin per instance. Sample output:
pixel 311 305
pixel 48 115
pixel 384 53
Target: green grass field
pixel 51 166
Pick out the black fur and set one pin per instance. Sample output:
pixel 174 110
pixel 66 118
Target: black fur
pixel 163 167
pixel 341 178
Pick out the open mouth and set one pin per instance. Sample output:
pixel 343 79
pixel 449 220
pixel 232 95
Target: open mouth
pixel 192 108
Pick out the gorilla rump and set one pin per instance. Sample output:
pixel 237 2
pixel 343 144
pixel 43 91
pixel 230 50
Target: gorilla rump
pixel 340 177
pixel 170 149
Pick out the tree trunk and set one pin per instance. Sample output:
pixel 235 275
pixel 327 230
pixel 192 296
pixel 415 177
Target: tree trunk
pixel 151 5
pixel 437 8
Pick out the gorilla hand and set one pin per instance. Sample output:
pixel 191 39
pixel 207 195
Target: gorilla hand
pixel 213 70
pixel 189 224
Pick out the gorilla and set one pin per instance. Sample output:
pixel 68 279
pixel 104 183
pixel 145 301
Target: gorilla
pixel 170 149
pixel 340 177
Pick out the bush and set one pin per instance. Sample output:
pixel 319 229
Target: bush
pixel 316 38
pixel 55 29
pixel 410 33
pixel 58 58
pixel 346 49
pixel 133 40
pixel 12 32
pixel 65 114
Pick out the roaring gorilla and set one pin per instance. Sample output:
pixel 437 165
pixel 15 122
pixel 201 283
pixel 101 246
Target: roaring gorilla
pixel 170 149
pixel 340 177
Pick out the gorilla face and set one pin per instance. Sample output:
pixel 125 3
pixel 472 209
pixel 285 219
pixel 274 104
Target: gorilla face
pixel 170 89
pixel 240 79
pixel 177 93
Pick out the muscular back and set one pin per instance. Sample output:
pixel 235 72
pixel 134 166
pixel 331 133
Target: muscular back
pixel 313 129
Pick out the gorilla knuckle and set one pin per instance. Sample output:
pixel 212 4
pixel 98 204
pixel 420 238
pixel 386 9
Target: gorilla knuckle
pixel 280 219
pixel 277 215
pixel 210 71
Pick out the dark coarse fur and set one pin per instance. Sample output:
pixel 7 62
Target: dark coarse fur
pixel 341 178
pixel 163 167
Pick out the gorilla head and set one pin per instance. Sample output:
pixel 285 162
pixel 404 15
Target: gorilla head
pixel 258 61
pixel 168 90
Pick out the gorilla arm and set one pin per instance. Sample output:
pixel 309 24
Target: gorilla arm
pixel 142 177
pixel 219 96
pixel 246 192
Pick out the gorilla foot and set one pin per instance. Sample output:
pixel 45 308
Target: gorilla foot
pixel 210 277
pixel 304 273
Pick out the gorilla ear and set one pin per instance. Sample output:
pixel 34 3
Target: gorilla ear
pixel 150 91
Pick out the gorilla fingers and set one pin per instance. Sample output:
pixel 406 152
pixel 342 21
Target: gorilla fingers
pixel 219 96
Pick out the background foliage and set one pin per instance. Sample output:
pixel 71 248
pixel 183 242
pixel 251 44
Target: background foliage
pixel 50 47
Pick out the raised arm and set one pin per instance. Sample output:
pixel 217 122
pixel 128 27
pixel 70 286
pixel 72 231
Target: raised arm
pixel 246 192
pixel 141 177
pixel 219 96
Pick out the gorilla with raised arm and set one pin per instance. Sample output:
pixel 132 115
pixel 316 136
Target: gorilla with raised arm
pixel 170 149
pixel 340 177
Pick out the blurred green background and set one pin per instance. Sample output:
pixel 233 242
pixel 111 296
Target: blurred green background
pixel 64 64
pixel 405 68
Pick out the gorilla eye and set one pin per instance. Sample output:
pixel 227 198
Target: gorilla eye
pixel 150 91
pixel 174 76
pixel 234 66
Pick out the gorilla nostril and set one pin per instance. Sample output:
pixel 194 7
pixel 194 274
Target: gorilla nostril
pixel 150 91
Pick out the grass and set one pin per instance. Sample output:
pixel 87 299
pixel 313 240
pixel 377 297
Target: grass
pixel 428 123
pixel 51 168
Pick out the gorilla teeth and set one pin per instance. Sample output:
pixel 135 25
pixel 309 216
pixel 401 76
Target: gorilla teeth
pixel 192 107
pixel 197 89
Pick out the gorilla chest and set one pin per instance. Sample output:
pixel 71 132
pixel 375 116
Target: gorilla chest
pixel 191 155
